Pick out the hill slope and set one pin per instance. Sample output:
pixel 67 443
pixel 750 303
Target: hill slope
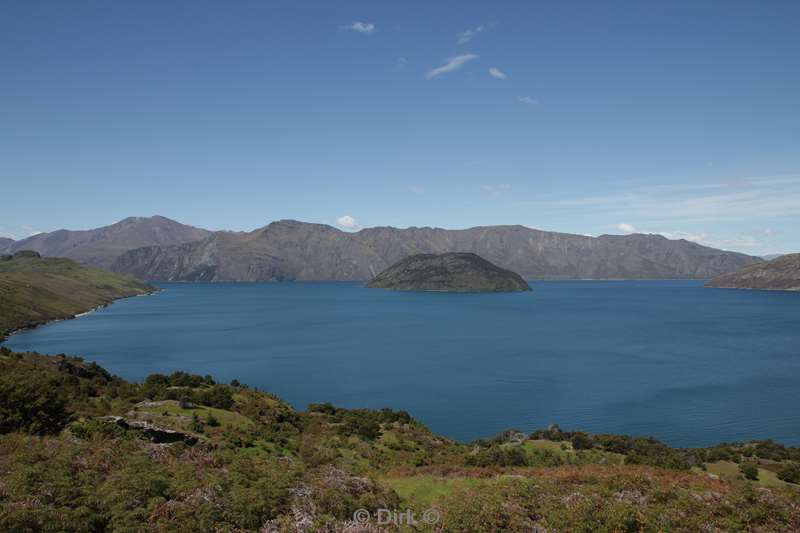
pixel 450 272
pixel 292 250
pixel 782 273
pixel 5 244
pixel 81 450
pixel 101 246
pixel 35 290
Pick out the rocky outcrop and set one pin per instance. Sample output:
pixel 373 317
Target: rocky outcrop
pixel 155 434
pixel 450 272
pixel 781 274
pixel 292 250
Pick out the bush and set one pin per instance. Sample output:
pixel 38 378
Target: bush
pixel 750 471
pixel 790 473
pixel 499 456
pixel 582 441
pixel 34 404
pixel 219 396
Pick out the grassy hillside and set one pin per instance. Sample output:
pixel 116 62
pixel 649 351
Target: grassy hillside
pixel 35 290
pixel 81 450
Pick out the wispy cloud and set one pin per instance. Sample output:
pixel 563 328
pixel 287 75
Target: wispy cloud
pixel 496 189
pixel 713 201
pixel 466 36
pixel 360 27
pixel 348 222
pixel 711 213
pixel 527 100
pixel 453 63
pixel 497 73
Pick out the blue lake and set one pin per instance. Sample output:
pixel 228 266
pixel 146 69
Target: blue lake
pixel 688 365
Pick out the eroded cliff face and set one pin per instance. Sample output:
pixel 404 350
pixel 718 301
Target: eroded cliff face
pixel 782 273
pixel 291 250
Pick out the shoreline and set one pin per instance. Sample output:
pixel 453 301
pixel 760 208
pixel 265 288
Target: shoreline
pixel 28 327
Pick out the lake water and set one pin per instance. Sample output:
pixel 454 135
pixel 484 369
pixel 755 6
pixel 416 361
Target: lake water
pixel 688 365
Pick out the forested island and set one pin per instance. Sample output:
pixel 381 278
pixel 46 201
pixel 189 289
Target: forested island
pixel 450 272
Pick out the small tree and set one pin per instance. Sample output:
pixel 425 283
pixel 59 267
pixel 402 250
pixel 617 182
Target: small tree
pixel 197 425
pixel 211 420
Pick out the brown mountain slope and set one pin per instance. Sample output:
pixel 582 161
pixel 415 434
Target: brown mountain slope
pixel 292 250
pixel 782 273
pixel 101 246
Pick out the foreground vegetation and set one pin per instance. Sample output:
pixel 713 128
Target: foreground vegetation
pixel 81 450
pixel 34 290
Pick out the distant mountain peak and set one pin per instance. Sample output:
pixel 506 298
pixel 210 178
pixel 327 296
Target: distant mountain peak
pixel 101 246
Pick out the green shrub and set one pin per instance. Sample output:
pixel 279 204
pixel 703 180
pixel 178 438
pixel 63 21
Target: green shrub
pixel 750 471
pixel 34 404
pixel 790 473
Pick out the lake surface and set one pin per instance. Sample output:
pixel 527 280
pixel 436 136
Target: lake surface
pixel 688 365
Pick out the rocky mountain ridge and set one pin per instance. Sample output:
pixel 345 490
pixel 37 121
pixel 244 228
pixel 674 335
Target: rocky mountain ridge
pixel 293 250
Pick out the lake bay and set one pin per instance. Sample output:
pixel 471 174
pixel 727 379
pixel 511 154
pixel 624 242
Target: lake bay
pixel 688 365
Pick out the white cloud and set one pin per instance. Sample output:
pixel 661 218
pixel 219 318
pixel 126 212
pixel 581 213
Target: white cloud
pixel 497 189
pixel 527 100
pixel 417 189
pixel 466 36
pixel 454 63
pixel 626 228
pixel 497 73
pixel 360 27
pixel 347 222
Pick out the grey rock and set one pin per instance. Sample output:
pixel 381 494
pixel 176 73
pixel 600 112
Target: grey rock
pixel 153 433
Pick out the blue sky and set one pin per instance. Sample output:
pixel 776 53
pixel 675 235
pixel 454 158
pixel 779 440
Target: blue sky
pixel 679 118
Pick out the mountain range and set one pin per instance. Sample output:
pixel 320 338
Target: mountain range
pixel 157 248
pixel 101 246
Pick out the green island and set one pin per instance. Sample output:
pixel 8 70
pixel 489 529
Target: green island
pixel 82 450
pixel 36 290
